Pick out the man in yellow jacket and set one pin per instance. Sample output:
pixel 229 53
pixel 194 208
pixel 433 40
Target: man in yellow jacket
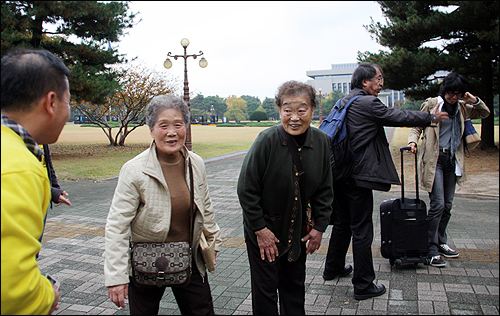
pixel 35 107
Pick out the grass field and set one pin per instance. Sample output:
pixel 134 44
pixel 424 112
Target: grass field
pixel 84 152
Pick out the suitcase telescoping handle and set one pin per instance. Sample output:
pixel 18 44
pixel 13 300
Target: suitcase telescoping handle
pixel 402 149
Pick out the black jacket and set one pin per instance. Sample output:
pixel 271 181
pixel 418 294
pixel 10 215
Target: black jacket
pixel 366 118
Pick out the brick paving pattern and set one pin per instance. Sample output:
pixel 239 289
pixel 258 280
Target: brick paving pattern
pixel 469 285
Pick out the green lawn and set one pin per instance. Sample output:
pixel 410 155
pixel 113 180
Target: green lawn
pixel 78 155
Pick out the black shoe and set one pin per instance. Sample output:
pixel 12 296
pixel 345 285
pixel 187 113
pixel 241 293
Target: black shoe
pixel 437 261
pixel 446 251
pixel 372 291
pixel 330 276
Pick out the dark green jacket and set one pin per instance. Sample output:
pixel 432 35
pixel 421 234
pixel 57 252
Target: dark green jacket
pixel 269 193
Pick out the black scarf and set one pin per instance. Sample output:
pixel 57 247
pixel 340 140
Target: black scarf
pixel 456 138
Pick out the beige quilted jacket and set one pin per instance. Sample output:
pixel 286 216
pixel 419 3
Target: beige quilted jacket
pixel 141 210
pixel 428 150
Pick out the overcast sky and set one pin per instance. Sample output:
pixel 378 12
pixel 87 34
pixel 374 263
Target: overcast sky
pixel 251 47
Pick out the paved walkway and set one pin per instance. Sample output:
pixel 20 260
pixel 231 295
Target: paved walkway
pixel 469 285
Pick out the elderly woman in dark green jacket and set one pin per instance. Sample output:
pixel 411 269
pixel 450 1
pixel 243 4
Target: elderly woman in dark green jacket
pixel 274 210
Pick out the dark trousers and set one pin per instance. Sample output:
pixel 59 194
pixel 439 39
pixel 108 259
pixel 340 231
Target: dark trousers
pixel 281 276
pixel 192 299
pixel 354 208
pixel 441 201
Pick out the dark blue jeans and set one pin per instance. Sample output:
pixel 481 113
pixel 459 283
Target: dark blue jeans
pixel 441 201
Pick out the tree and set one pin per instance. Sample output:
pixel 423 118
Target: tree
pixel 468 37
pixel 412 104
pixel 328 103
pixel 259 114
pixel 51 24
pixel 139 84
pixel 218 103
pixel 212 105
pixel 199 108
pixel 237 109
pixel 252 103
pixel 271 109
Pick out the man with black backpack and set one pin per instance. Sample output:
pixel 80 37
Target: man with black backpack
pixel 373 170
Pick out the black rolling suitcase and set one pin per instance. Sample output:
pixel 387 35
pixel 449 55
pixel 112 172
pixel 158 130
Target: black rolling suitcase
pixel 404 224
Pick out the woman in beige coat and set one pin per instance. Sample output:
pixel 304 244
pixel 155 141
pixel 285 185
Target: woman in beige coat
pixel 441 157
pixel 151 204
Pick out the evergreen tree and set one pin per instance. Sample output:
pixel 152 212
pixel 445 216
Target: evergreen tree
pixel 468 37
pixel 259 114
pixel 271 109
pixel 252 103
pixel 50 24
pixel 219 105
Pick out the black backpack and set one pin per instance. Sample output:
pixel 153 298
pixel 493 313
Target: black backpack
pixel 342 158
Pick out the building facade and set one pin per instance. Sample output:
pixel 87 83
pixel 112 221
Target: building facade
pixel 339 78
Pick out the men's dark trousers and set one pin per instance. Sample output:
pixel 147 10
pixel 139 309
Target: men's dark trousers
pixel 441 202
pixel 354 208
pixel 192 299
pixel 281 276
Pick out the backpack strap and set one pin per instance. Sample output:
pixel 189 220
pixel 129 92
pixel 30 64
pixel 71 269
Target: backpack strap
pixel 352 100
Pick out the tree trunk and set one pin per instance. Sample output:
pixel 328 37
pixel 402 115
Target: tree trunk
pixel 37 28
pixel 108 134
pixel 487 124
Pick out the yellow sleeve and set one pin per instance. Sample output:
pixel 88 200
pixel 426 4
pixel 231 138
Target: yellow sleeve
pixel 25 198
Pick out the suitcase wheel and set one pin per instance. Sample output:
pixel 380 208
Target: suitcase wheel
pixel 398 262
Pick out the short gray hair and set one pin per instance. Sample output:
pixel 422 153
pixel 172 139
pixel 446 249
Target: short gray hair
pixel 164 102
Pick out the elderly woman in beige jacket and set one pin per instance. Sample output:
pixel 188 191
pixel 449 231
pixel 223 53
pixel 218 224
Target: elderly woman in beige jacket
pixel 151 204
pixel 441 157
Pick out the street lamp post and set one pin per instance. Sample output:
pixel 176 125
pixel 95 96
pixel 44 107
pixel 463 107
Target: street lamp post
pixel 168 64
pixel 320 108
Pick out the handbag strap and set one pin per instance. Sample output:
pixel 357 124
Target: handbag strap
pixel 296 160
pixel 191 207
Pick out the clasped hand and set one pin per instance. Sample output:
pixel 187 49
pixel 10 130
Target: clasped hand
pixel 267 243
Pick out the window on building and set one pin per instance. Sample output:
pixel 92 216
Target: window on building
pixel 345 87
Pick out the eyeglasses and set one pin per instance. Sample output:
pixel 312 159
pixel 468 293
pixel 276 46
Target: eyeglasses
pixel 454 94
pixel 379 79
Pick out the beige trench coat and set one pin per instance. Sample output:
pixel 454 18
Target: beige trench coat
pixel 428 150
pixel 141 210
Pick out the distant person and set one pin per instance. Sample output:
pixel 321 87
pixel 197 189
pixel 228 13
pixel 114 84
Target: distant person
pixel 441 157
pixel 275 211
pixel 35 107
pixel 151 204
pixel 374 170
